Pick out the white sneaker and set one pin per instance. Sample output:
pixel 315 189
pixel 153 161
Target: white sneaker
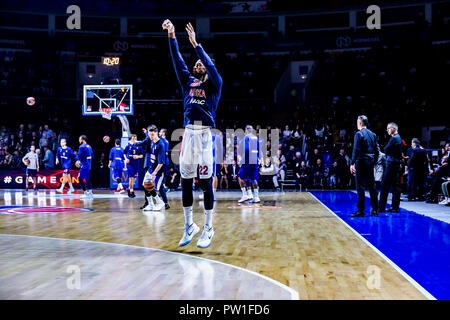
pixel 60 190
pixel 91 195
pixel 71 190
pixel 149 207
pixel 250 196
pixel 444 202
pixel 200 196
pixel 205 239
pixel 158 206
pixel 256 200
pixel 188 234
pixel 85 195
pixel 243 199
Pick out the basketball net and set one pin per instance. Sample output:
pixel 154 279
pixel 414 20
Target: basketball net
pixel 106 113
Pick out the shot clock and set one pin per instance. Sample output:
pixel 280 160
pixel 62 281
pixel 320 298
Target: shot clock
pixel 111 61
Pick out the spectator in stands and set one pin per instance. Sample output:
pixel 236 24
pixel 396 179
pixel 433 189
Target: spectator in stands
pixel 446 192
pixel 34 139
pixel 312 159
pixel 332 173
pixel 438 177
pixel 173 177
pixel 43 141
pixel 343 168
pixel 223 175
pixel 233 171
pixel 12 141
pixel 49 159
pixel 21 139
pixel 268 175
pixel 287 134
pixel 290 157
pixel 302 176
pixel 103 171
pixel 281 164
pixel 318 174
pixel 2 159
pixel 53 142
pixel 47 131
pixel 16 162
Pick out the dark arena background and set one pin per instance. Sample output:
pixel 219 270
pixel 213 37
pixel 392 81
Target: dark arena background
pixel 310 90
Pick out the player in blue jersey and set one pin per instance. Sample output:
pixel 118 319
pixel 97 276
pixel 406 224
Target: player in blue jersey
pixel 84 162
pixel 201 93
pixel 65 155
pixel 155 175
pixel 249 154
pixel 117 160
pixel 132 155
pixel 162 191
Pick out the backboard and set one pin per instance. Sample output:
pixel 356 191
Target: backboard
pixel 118 99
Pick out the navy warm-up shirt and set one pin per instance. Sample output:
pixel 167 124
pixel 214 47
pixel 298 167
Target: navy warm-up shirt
pixel 200 99
pixel 393 148
pixel 365 146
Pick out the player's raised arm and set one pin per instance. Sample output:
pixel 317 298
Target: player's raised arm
pixel 180 66
pixel 211 69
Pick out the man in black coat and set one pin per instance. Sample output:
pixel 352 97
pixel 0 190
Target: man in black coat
pixel 365 153
pixel 392 173
pixel 418 165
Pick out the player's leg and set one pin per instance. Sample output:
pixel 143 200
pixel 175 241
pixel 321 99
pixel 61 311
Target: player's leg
pixel 159 204
pixel 205 180
pixel 149 186
pixel 69 180
pixel 242 184
pixel 254 175
pixel 188 170
pixel 35 180
pixel 162 192
pixel 63 183
pixel 27 178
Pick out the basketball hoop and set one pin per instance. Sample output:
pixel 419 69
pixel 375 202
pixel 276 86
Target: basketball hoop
pixel 106 113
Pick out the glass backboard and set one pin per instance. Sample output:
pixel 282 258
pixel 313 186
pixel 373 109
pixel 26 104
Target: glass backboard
pixel 117 99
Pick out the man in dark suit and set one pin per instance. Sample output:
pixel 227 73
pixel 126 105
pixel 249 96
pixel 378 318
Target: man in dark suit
pixel 392 173
pixel 365 153
pixel 418 166
pixel 233 174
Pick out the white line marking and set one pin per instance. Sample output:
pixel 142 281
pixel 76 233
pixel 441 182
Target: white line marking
pixel 403 273
pixel 294 294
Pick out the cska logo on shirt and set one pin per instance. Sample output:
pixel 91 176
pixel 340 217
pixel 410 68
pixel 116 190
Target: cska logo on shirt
pixel 198 93
pixel 196 83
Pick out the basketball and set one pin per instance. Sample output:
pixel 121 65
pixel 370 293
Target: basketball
pixel 31 101
pixel 106 139
pixel 149 185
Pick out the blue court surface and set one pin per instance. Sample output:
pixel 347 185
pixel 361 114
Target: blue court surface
pixel 417 244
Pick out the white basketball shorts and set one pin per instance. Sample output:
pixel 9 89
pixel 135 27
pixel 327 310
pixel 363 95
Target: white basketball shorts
pixel 196 152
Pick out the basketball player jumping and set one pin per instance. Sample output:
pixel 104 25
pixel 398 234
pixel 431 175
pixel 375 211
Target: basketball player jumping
pixel 201 94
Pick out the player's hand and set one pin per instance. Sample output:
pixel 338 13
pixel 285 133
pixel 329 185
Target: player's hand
pixel 56 162
pixel 109 166
pixel 125 168
pixel 37 169
pixel 144 130
pixel 191 34
pixel 352 169
pixel 128 160
pixel 135 157
pixel 168 25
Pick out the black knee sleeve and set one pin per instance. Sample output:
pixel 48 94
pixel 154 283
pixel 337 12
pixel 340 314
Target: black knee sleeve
pixel 208 200
pixel 147 193
pixel 186 192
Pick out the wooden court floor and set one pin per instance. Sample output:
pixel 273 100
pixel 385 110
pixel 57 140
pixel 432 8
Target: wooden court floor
pixel 295 241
